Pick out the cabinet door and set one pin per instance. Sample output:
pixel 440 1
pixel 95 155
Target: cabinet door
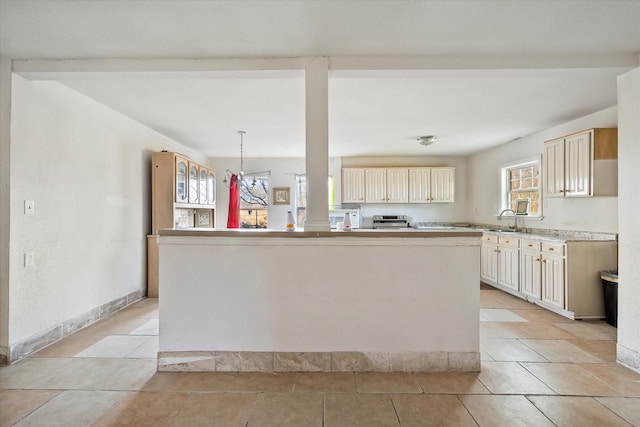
pixel 489 263
pixel 553 280
pixel 353 185
pixel 578 165
pixel 375 185
pixel 509 267
pixel 182 192
pixel 194 182
pixel 203 195
pixel 211 187
pixel 530 274
pixel 419 185
pixel 553 167
pixel 398 185
pixel 442 185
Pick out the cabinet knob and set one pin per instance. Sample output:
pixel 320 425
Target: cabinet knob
pixel 537 259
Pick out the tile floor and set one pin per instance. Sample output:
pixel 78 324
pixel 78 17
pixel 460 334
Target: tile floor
pixel 538 369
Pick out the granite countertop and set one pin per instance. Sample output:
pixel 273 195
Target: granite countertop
pixel 554 235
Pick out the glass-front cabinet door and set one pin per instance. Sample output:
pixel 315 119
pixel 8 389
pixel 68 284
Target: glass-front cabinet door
pixel 211 187
pixel 194 183
pixel 181 180
pixel 203 186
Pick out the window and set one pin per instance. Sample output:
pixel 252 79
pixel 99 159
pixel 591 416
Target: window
pixel 301 197
pixel 521 181
pixel 254 201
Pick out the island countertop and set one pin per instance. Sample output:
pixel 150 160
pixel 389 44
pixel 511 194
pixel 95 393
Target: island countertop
pixel 403 232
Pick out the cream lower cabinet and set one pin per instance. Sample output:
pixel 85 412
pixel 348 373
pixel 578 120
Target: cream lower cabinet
pixel 500 265
pixel 553 280
pixel 509 263
pixel 563 277
pixel 531 269
pixel 489 259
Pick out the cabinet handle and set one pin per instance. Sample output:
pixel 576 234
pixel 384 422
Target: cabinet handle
pixel 562 191
pixel 530 246
pixel 551 249
pixel 544 260
pixel 506 241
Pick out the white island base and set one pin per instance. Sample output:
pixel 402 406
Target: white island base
pixel 277 301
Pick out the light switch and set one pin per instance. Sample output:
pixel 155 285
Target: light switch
pixel 29 207
pixel 29 259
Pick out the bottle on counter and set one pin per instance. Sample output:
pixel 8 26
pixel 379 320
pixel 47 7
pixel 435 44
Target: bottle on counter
pixel 290 223
pixel 346 226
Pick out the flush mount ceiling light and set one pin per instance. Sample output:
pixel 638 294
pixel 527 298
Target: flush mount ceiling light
pixel 427 140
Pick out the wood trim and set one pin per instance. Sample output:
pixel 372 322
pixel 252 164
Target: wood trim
pixel 605 144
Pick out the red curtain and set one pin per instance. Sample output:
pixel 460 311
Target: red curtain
pixel 233 218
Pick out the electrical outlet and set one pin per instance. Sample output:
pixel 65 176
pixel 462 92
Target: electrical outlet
pixel 29 207
pixel 29 259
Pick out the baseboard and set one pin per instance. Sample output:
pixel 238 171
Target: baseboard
pixel 39 341
pixel 341 361
pixel 629 358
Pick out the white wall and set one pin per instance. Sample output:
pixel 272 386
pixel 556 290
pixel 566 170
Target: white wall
pixel 585 214
pixel 283 172
pixel 434 212
pixel 629 203
pixel 88 169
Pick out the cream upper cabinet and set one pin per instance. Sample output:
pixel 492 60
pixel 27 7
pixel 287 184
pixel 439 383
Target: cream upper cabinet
pixel 419 185
pixel 353 185
pixel 203 193
pixel 181 172
pixel 397 185
pixel 431 185
pixel 577 165
pixel 554 168
pixel 194 182
pixel 375 185
pixel 211 186
pixel 442 185
pixel 582 164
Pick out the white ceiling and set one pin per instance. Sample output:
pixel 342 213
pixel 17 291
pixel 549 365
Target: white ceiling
pixel 524 66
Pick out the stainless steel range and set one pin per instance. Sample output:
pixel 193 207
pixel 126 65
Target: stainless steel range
pixel 390 221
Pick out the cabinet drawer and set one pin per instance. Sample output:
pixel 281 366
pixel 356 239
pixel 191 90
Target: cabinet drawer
pixel 553 248
pixel 531 245
pixel 509 241
pixel 492 238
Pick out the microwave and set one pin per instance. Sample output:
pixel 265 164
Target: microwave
pixel 337 215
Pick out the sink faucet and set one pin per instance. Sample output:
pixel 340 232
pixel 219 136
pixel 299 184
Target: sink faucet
pixel 515 218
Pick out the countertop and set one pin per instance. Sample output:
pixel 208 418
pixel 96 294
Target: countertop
pixel 402 232
pixel 554 236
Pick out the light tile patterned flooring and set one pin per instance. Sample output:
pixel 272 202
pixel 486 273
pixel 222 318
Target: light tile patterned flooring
pixel 538 369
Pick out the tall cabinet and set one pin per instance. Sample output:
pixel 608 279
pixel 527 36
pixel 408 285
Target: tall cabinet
pixel 183 195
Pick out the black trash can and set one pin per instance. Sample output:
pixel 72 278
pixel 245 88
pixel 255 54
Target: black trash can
pixel 610 288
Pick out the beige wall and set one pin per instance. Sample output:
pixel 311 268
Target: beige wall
pixel 483 204
pixel 629 202
pixel 88 169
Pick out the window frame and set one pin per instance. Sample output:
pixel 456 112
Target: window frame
pixel 505 184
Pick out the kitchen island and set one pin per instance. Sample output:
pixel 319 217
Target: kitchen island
pixel 264 300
